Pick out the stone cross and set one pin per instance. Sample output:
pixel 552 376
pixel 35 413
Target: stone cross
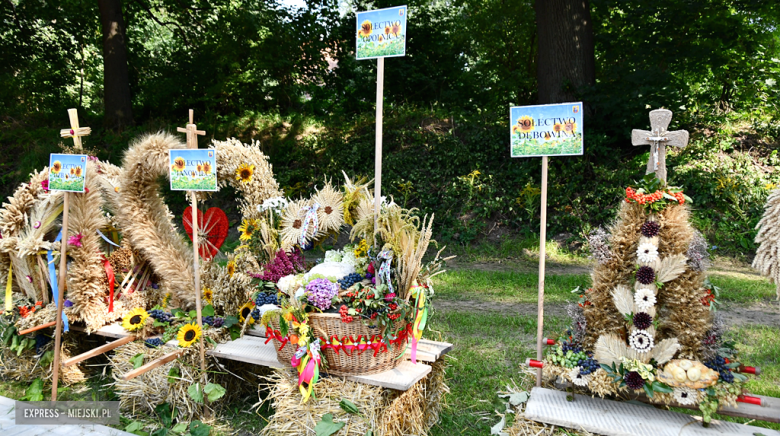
pixel 192 132
pixel 658 139
pixel 75 131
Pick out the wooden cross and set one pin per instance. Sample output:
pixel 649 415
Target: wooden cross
pixel 192 132
pixel 75 131
pixel 658 139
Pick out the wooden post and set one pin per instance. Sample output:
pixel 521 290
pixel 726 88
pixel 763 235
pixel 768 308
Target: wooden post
pixel 380 88
pixel 542 254
pixel 60 293
pixel 39 327
pixel 153 364
pixel 192 142
pixel 99 350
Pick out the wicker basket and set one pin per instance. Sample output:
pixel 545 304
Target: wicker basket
pixel 328 324
pixel 288 351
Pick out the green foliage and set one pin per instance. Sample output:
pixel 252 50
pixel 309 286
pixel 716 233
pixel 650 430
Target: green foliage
pixel 35 391
pixel 327 427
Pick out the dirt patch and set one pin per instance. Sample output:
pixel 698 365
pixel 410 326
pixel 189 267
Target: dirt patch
pixel 520 266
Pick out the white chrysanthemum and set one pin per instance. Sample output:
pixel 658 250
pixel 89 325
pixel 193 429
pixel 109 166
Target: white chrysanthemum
pixel 686 396
pixel 577 378
pixel 333 256
pixel 289 283
pixel 641 341
pixel 647 253
pixel 276 204
pixel 644 298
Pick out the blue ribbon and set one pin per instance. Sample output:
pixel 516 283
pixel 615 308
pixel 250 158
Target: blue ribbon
pixel 54 286
pixel 384 269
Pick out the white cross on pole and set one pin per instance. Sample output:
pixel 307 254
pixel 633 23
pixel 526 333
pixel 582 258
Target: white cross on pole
pixel 658 139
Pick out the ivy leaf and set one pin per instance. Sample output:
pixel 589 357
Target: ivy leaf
pixel 179 428
pixel 207 310
pixel 230 321
pixel 198 428
pixel 196 393
pixel 160 432
pixel 137 360
pixel 173 374
pixel 326 426
pixel 214 391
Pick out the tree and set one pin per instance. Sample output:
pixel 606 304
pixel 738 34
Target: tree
pixel 116 84
pixel 565 60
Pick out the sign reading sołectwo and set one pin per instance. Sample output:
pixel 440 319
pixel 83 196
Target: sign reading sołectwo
pixel 381 33
pixel 546 130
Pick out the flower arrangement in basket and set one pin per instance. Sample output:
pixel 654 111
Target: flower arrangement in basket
pixel 361 308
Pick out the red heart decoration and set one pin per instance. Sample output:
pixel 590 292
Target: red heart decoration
pixel 214 224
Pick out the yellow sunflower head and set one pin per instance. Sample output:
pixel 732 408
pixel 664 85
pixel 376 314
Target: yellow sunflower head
pixel 557 127
pixel 179 164
pixel 525 123
pixel 547 136
pixel 246 312
pixel 134 320
pixel 78 171
pixel 570 127
pixel 381 38
pixel 396 29
pixel 244 173
pixel 231 268
pixel 56 167
pixel 66 177
pixel 365 29
pixel 208 295
pixel 188 334
pixel 72 171
pixel 207 167
pixel 247 228
pixel 199 168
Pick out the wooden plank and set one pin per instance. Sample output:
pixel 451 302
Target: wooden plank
pixel 36 328
pixel 250 350
pixel 620 418
pixel 437 349
pixel 769 412
pixel 400 378
pixel 256 331
pixel 99 350
pixel 153 364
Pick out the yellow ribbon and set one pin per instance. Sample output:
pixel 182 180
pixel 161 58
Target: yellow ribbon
pixel 53 216
pixel 9 301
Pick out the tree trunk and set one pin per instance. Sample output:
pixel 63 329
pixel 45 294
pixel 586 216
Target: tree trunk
pixel 566 61
pixel 116 82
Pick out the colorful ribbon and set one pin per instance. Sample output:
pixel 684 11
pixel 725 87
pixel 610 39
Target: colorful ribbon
pixel 9 300
pixel 106 239
pixel 54 285
pixel 384 269
pixel 111 278
pixel 311 217
pixel 309 370
pixel 420 318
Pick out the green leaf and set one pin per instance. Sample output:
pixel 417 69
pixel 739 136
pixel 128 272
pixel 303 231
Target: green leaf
pixel 214 391
pixel 137 360
pixel 173 374
pixel 198 428
pixel 326 426
pixel 230 321
pixel 179 428
pixel 135 427
pixel 193 314
pixel 163 411
pixel 349 406
pixel 177 313
pixel 369 433
pixel 739 377
pixel 662 387
pixel 207 310
pixel 160 432
pixel 283 328
pixel 196 392
pixel 47 359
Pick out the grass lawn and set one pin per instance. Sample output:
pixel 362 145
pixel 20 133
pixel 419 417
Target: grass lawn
pixel 490 346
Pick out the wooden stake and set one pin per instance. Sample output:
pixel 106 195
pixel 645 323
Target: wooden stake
pixel 38 327
pixel 542 254
pixel 99 350
pixel 153 364
pixel 380 89
pixel 60 294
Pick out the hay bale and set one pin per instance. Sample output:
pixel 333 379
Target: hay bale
pixel 386 412
pixel 27 366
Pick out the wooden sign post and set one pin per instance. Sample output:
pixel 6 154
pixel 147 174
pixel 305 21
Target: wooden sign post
pixel 76 133
pixel 192 143
pixel 380 90
pixel 543 131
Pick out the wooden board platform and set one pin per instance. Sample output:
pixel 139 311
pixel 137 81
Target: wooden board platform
pixel 617 418
pixel 248 349
pixel 401 378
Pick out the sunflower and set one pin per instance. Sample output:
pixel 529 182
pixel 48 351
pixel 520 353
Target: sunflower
pixel 134 320
pixel 526 123
pixel 193 174
pixel 381 38
pixel 72 171
pixel 557 127
pixel 246 312
pixel 208 295
pixel 231 268
pixel 244 173
pixel 570 127
pixel 179 164
pixel 199 168
pixel 396 29
pixel 387 30
pixel 247 228
pixel 547 136
pixel 365 29
pixel 78 171
pixel 56 167
pixel 207 167
pixel 188 334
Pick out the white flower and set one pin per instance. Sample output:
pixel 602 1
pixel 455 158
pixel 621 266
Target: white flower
pixel 644 298
pixel 641 341
pixel 647 253
pixel 289 283
pixel 577 378
pixel 276 204
pixel 686 396
pixel 333 256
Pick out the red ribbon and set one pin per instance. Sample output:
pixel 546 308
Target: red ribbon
pixel 110 274
pixel 271 334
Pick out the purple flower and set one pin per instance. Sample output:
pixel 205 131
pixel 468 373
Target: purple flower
pixel 155 286
pixel 68 303
pixel 75 240
pixel 373 280
pixel 320 292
